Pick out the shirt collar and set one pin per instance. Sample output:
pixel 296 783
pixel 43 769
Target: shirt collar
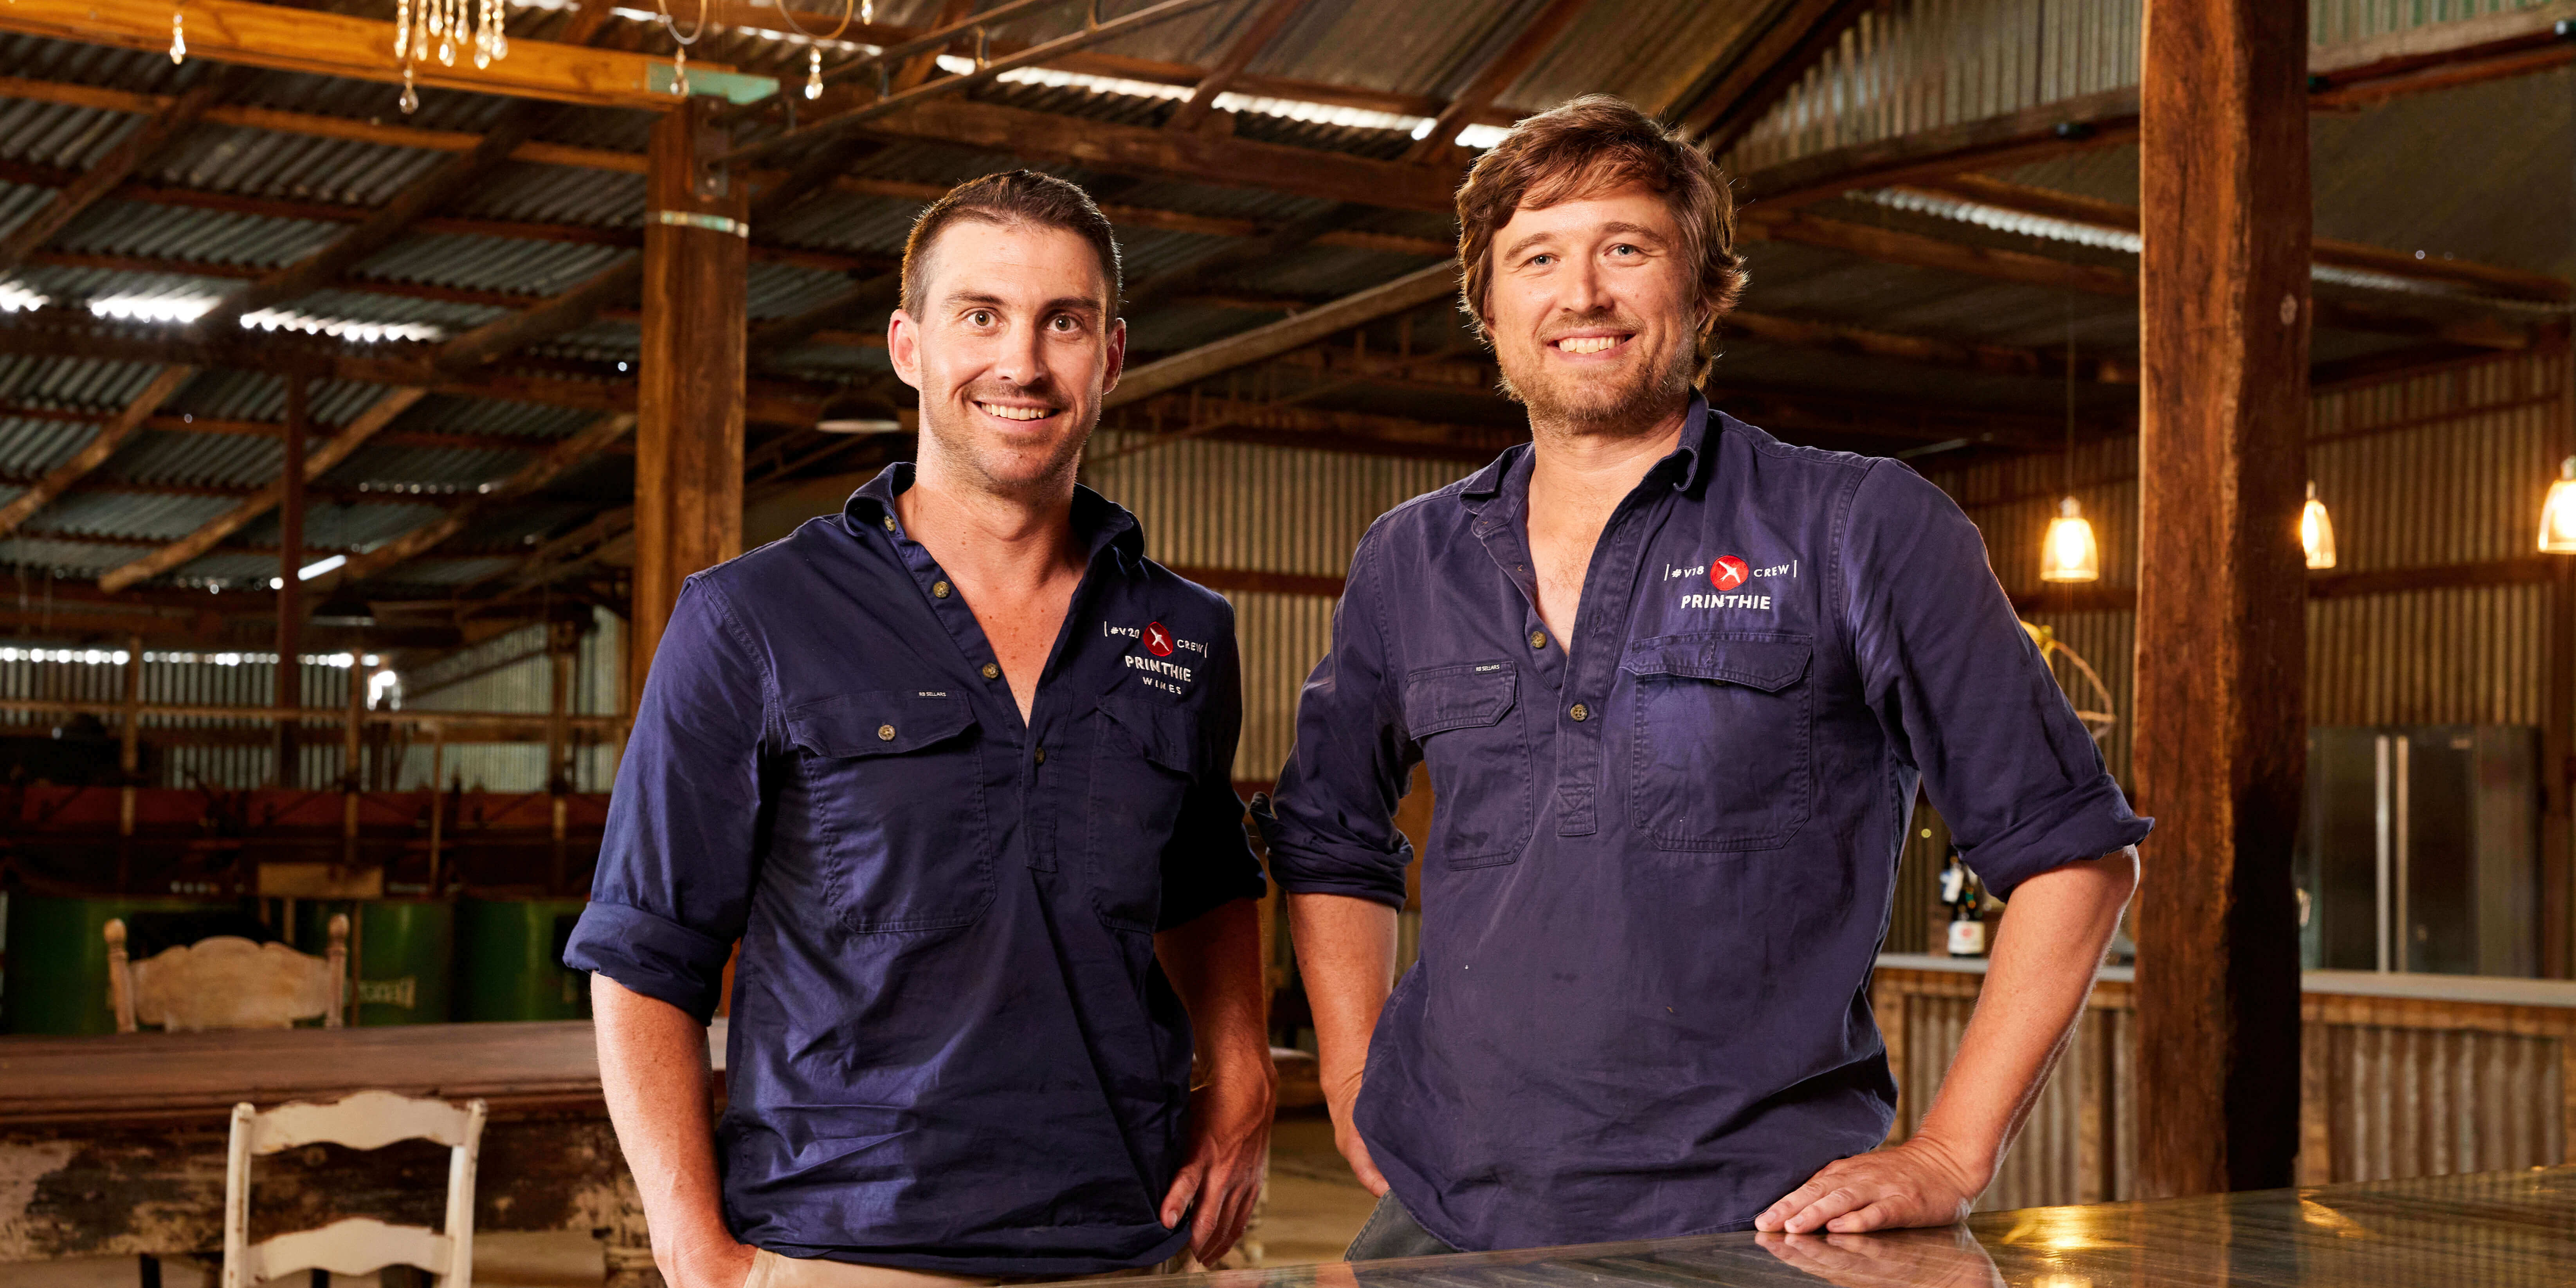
pixel 1690 459
pixel 1098 522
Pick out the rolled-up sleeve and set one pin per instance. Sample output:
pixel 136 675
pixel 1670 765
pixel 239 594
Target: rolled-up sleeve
pixel 1331 825
pixel 1208 861
pixel 679 855
pixel 1965 695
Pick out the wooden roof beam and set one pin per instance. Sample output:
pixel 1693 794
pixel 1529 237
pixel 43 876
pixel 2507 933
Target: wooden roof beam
pixel 581 447
pixel 317 463
pixel 1498 73
pixel 1751 75
pixel 1256 36
pixel 1412 290
pixel 332 44
pixel 110 437
pixel 140 146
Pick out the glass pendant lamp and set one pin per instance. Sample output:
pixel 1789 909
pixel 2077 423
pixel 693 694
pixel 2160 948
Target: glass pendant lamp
pixel 2558 513
pixel 2068 552
pixel 2316 531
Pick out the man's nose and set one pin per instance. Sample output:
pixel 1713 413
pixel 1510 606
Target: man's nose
pixel 1583 289
pixel 1019 361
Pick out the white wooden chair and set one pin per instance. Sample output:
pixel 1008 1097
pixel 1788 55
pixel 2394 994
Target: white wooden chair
pixel 355 1245
pixel 227 982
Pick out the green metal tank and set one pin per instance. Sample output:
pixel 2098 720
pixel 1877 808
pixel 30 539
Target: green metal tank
pixel 402 949
pixel 509 959
pixel 56 980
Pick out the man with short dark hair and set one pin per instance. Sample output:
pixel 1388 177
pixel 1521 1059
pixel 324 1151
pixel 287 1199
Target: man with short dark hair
pixel 1676 682
pixel 953 766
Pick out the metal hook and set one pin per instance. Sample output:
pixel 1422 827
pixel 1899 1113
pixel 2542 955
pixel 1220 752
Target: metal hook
pixel 983 47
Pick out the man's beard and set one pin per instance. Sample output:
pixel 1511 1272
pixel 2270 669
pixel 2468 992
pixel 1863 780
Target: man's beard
pixel 1000 469
pixel 1625 400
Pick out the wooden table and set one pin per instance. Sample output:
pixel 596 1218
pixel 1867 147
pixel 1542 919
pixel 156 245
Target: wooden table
pixel 2492 1230
pixel 115 1145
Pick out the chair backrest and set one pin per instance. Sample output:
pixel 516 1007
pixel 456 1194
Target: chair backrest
pixel 227 982
pixel 356 1245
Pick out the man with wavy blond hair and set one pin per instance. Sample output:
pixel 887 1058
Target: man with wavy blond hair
pixel 1676 682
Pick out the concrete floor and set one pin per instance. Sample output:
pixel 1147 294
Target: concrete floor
pixel 1315 1208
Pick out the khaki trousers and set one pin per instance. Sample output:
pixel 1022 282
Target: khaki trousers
pixel 770 1270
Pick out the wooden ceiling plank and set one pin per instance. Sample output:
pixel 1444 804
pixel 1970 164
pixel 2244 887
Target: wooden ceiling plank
pixel 103 445
pixel 320 461
pixel 1256 36
pixel 331 44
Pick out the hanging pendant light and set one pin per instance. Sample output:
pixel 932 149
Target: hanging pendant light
pixel 2068 553
pixel 2316 531
pixel 2558 513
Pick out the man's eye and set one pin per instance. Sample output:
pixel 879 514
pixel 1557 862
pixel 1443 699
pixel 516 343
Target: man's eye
pixel 1624 248
pixel 1062 322
pixel 1541 261
pixel 980 317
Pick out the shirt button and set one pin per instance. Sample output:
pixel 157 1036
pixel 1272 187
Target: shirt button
pixel 1041 755
pixel 885 733
pixel 1538 639
pixel 889 522
pixel 1579 712
pixel 939 590
pixel 992 672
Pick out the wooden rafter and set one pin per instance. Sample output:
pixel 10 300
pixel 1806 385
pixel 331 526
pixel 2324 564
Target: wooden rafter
pixel 1412 290
pixel 138 149
pixel 1751 75
pixel 2491 279
pixel 317 463
pixel 110 436
pixel 1984 359
pixel 333 44
pixel 1497 74
pixel 1266 24
pixel 580 447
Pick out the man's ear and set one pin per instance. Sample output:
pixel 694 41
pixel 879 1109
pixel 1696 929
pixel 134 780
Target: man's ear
pixel 903 346
pixel 1117 355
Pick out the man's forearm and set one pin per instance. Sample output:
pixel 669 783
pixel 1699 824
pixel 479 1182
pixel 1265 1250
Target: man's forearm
pixel 2044 960
pixel 1346 958
pixel 653 1069
pixel 1214 963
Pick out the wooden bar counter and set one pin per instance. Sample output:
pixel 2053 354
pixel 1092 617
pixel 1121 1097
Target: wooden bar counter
pixel 114 1145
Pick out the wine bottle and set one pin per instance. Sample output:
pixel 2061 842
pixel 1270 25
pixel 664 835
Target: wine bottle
pixel 1960 891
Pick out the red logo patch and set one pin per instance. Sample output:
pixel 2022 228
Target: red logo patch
pixel 1726 572
pixel 1158 641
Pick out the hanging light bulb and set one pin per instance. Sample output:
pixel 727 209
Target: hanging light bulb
pixel 813 73
pixel 2068 553
pixel 2558 513
pixel 2316 531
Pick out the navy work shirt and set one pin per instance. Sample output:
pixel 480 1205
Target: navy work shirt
pixel 951 1048
pixel 1662 854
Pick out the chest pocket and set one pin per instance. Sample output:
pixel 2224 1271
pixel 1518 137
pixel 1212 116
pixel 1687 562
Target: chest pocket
pixel 1722 753
pixel 897 783
pixel 1467 721
pixel 1142 764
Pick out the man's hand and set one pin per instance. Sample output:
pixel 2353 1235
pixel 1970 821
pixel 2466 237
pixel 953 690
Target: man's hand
pixel 1229 1153
pixel 1340 1096
pixel 706 1263
pixel 1915 1183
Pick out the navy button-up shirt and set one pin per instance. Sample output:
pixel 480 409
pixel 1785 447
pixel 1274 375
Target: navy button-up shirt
pixel 951 1048
pixel 1663 852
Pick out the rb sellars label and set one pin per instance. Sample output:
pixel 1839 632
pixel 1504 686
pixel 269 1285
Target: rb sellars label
pixel 1968 938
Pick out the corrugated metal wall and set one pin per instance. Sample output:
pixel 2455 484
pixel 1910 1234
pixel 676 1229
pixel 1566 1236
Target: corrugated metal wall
pixel 2431 471
pixel 1263 509
pixel 524 683
pixel 237 755
pixel 1920 64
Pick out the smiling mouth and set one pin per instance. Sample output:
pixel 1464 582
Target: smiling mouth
pixel 1016 413
pixel 1584 344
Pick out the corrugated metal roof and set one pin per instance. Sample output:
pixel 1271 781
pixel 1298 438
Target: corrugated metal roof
pixel 490 263
pixel 159 518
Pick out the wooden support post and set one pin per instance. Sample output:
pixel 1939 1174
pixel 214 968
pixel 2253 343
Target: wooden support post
pixel 689 391
pixel 290 590
pixel 353 727
pixel 2221 742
